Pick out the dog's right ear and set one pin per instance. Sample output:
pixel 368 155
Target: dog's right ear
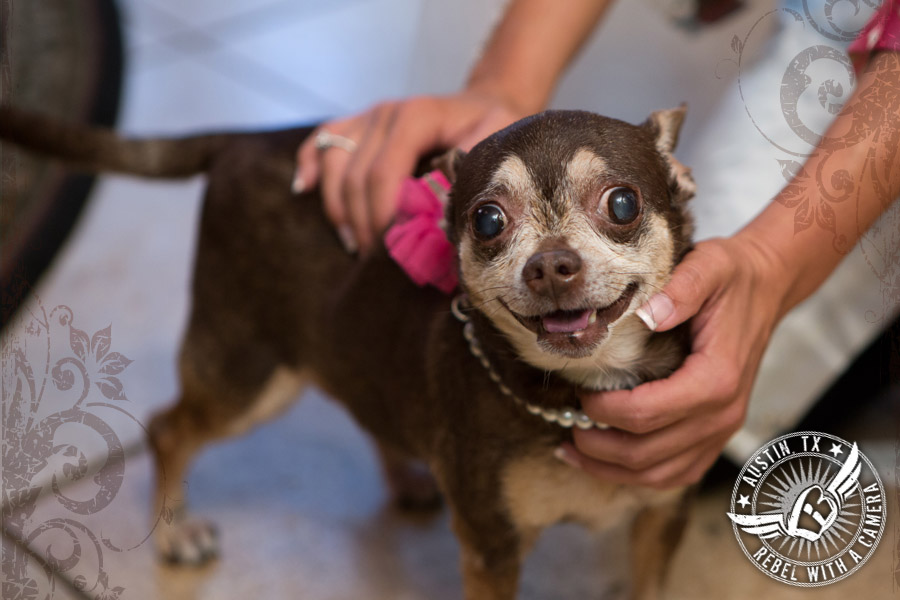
pixel 665 125
pixel 448 163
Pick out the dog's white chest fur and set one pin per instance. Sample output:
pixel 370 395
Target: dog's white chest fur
pixel 540 491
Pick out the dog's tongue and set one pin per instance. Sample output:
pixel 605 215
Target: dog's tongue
pixel 566 321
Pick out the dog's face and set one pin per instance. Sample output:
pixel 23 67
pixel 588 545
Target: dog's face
pixel 565 223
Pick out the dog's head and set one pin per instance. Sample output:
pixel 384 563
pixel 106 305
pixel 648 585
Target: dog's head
pixel 565 223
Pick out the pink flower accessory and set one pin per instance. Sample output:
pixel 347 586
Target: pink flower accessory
pixel 880 33
pixel 417 240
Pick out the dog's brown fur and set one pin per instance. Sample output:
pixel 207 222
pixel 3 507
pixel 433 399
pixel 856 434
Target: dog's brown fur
pixel 278 303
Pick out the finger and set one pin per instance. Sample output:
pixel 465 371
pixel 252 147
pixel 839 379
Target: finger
pixel 657 404
pixel 493 122
pixel 694 281
pixel 686 468
pixel 309 156
pixel 334 164
pixel 635 451
pixel 644 451
pixel 472 139
pixel 306 175
pixel 409 135
pixel 357 202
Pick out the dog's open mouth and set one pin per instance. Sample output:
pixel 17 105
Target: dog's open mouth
pixel 576 333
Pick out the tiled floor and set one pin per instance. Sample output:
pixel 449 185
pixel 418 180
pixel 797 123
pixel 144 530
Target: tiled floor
pixel 299 502
pixel 303 514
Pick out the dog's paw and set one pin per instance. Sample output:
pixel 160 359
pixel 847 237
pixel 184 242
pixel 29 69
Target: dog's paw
pixel 188 542
pixel 414 488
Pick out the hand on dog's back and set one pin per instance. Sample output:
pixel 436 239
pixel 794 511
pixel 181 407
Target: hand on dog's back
pixel 359 188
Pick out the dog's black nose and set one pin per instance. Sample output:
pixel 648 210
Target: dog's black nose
pixel 552 273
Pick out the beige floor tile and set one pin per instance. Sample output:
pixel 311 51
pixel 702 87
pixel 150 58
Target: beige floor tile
pixel 303 513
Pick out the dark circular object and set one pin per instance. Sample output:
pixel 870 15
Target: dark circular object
pixel 623 205
pixel 62 58
pixel 489 221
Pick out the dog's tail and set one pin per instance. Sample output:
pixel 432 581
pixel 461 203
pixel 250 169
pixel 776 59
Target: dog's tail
pixel 98 149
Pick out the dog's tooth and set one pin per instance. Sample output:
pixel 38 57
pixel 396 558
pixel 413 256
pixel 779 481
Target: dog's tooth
pixel 535 410
pixel 593 318
pixel 566 418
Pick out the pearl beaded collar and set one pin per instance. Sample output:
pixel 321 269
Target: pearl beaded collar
pixel 565 417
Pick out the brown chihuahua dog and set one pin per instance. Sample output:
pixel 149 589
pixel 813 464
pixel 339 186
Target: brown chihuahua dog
pixel 564 224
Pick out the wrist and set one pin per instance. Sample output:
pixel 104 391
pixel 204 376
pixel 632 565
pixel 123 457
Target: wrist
pixel 776 268
pixel 796 261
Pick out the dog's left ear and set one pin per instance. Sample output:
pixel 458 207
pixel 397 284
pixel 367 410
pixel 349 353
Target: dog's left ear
pixel 448 163
pixel 665 125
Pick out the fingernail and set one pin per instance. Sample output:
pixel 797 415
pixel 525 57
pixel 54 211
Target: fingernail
pixel 297 184
pixel 656 311
pixel 646 318
pixel 562 455
pixel 348 238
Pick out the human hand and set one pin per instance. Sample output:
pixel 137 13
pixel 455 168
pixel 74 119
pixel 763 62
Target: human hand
pixel 668 432
pixel 359 188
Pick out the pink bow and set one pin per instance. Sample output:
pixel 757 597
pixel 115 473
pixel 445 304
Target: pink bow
pixel 882 32
pixel 416 240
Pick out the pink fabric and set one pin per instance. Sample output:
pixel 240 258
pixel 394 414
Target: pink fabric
pixel 881 33
pixel 416 240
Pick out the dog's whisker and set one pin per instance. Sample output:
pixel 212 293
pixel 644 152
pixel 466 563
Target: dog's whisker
pixel 479 305
pixel 629 272
pixel 654 286
pixel 491 289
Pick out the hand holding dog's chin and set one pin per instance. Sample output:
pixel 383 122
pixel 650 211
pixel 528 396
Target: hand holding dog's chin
pixel 667 433
pixel 359 188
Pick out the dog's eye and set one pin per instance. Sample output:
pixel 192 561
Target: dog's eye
pixel 488 221
pixel 622 204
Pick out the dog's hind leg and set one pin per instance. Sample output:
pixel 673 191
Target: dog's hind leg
pixel 412 485
pixel 175 436
pixel 219 398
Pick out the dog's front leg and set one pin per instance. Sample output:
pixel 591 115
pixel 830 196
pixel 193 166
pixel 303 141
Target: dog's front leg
pixel 491 547
pixel 655 535
pixel 490 567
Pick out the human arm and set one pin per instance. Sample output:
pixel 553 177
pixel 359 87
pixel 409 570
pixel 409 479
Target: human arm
pixel 521 63
pixel 668 432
